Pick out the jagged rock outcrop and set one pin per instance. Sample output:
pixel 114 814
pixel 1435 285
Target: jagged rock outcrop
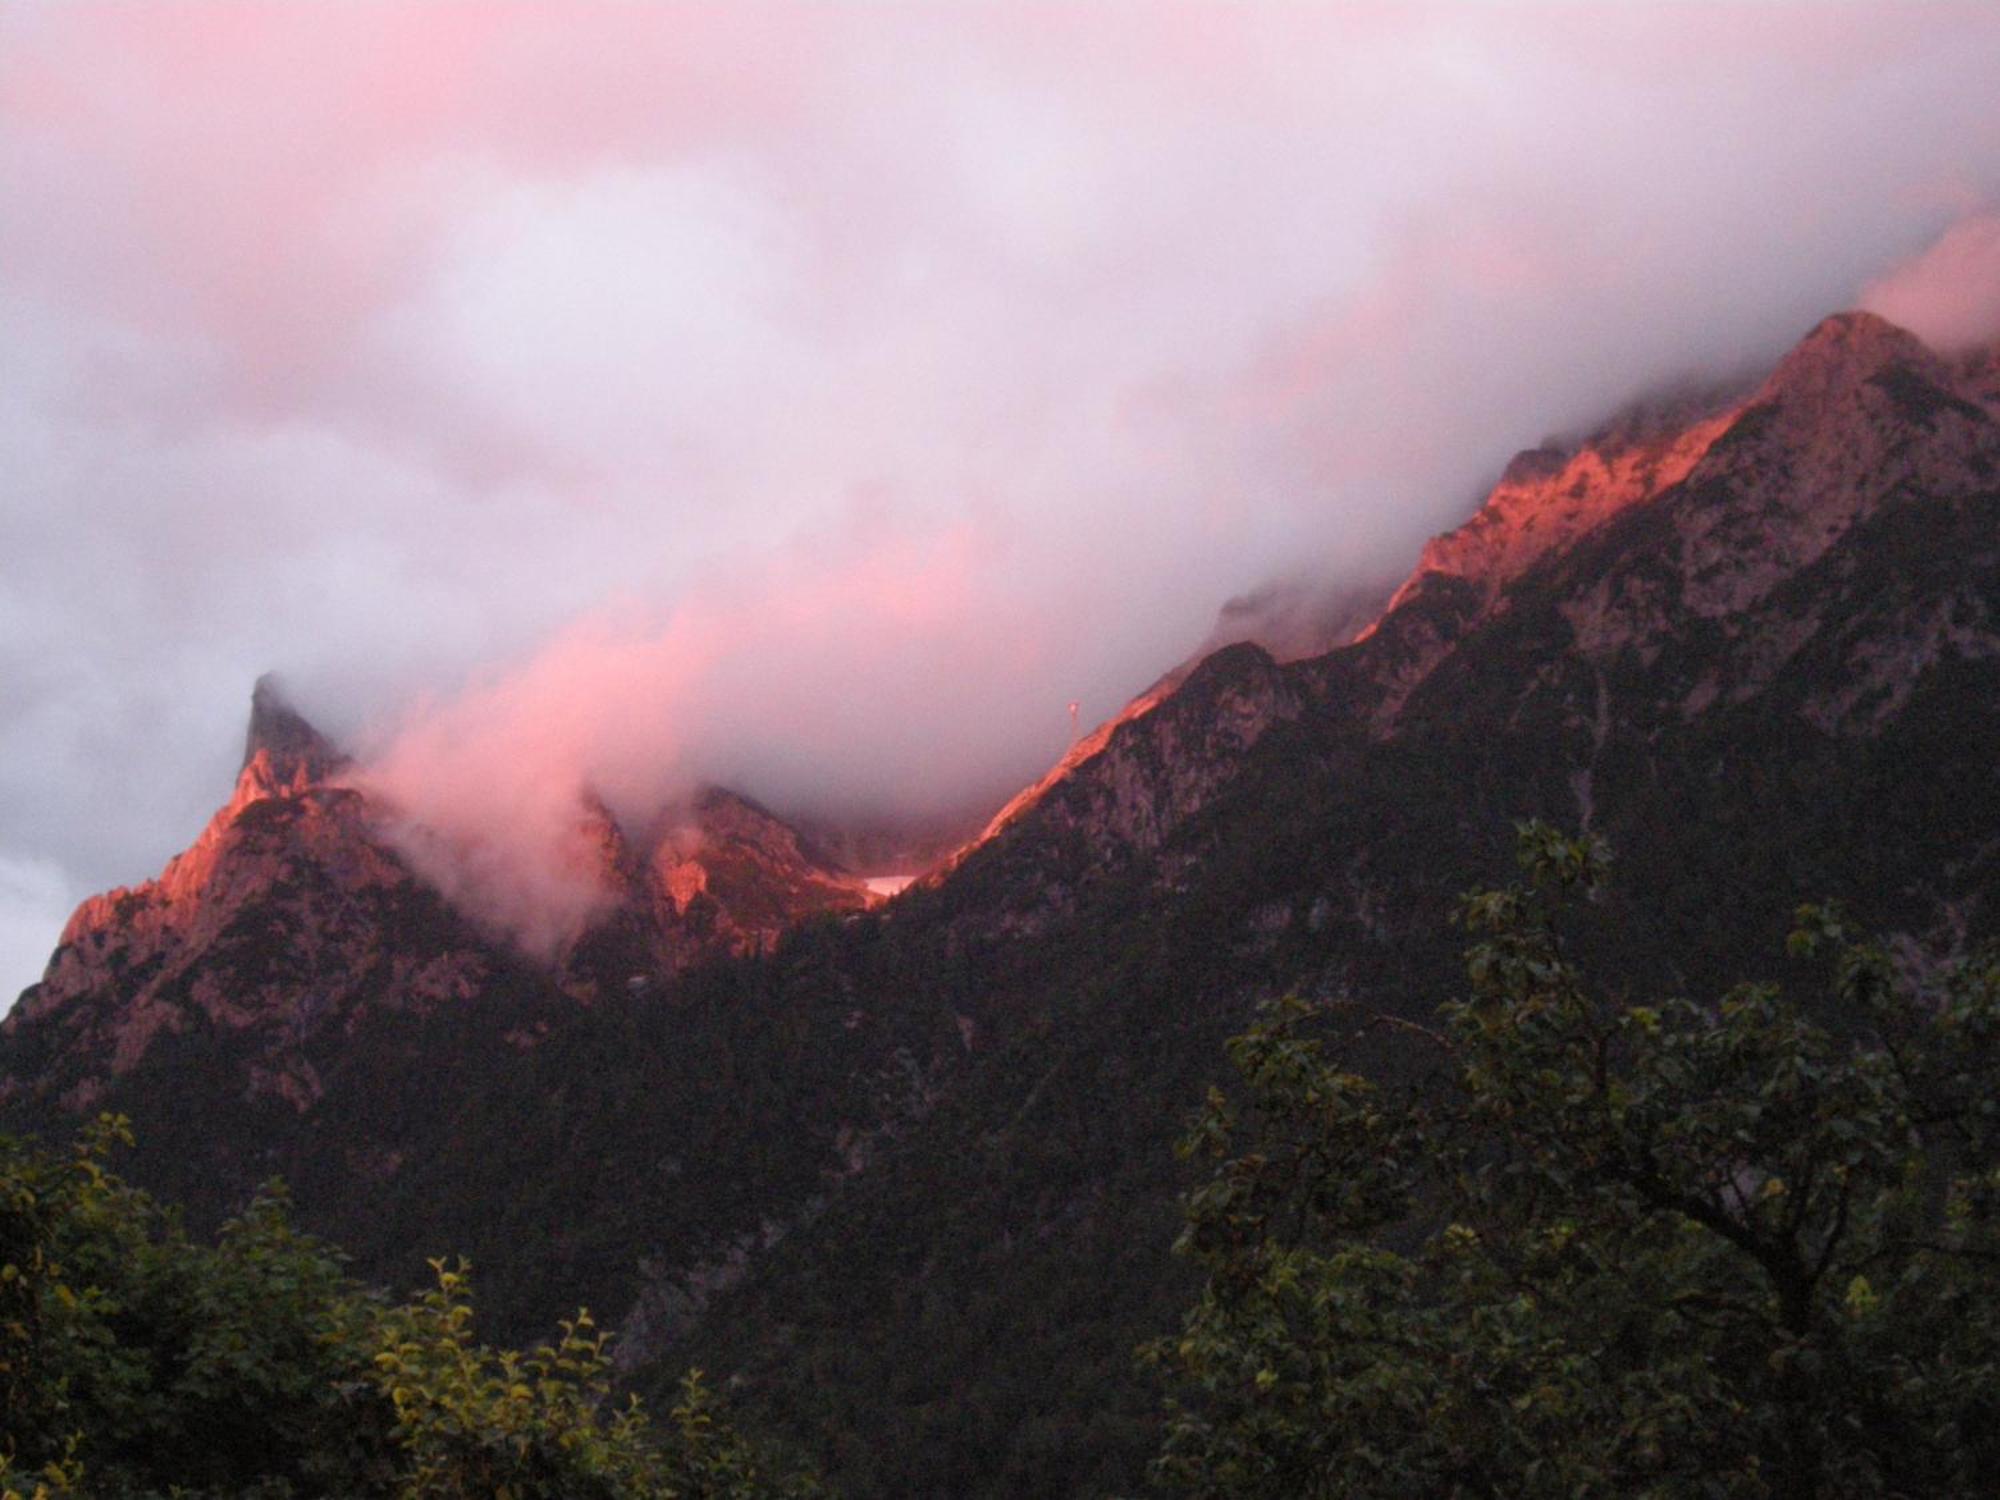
pixel 292 752
pixel 717 874
pixel 1121 790
pixel 1550 496
pixel 295 908
pixel 271 926
pixel 1860 415
pixel 1546 500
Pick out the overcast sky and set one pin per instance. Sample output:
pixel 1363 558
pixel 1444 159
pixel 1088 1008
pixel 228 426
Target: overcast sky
pixel 821 397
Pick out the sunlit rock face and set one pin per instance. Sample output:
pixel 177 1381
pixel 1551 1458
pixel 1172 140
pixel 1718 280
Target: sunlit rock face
pixel 1859 433
pixel 1547 498
pixel 1858 416
pixel 1714 519
pixel 755 869
pixel 293 753
pixel 715 875
pixel 286 913
pixel 1550 496
pixel 1749 490
pixel 295 912
pixel 1146 777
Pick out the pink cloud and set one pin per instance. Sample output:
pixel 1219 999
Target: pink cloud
pixel 268 179
pixel 549 349
pixel 828 651
pixel 1949 294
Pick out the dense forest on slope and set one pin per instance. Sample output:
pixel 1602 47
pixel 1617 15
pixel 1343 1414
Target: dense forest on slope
pixel 1742 1248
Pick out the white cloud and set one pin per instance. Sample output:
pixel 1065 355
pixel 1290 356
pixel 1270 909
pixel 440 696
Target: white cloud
pixel 493 330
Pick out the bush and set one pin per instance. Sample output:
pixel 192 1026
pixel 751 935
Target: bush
pixel 135 1362
pixel 1612 1248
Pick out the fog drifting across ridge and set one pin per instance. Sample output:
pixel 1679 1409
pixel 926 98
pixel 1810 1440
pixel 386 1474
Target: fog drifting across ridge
pixel 820 399
pixel 855 678
pixel 1949 295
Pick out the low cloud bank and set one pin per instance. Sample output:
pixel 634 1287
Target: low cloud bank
pixel 872 677
pixel 875 672
pixel 819 399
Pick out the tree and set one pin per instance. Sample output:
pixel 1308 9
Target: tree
pixel 140 1360
pixel 473 1422
pixel 1739 1249
pixel 137 1362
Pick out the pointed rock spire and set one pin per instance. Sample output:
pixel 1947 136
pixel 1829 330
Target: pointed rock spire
pixel 294 751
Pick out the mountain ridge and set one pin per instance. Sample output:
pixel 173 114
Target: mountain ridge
pixel 718 875
pixel 1550 500
pixel 905 1175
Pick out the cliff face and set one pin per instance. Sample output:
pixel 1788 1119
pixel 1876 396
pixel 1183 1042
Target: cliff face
pixel 715 876
pixel 1548 497
pixel 1859 417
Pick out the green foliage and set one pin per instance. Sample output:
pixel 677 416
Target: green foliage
pixel 137 1362
pixel 152 1362
pixel 1611 1248
pixel 473 1422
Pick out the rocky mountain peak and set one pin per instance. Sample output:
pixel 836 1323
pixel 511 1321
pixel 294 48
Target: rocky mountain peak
pixel 1860 413
pixel 714 874
pixel 1856 368
pixel 281 745
pixel 1842 349
pixel 754 864
pixel 1744 485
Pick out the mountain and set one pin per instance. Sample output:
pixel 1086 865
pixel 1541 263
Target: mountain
pixel 1755 644
pixel 904 1175
pixel 1702 525
pixel 283 969
pixel 717 874
pixel 269 927
pixel 296 904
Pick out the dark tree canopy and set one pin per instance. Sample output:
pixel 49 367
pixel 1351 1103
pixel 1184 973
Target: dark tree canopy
pixel 1749 1248
pixel 137 1362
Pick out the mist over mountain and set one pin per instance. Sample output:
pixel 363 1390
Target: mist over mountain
pixel 715 655
pixel 819 402
pixel 901 1173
